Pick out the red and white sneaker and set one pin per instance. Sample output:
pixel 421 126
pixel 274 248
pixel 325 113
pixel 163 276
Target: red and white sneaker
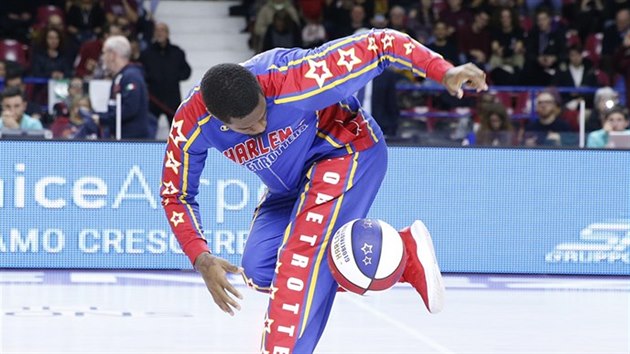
pixel 422 270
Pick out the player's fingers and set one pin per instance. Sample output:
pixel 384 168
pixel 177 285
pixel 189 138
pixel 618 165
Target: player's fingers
pixel 229 287
pixel 222 300
pixel 229 267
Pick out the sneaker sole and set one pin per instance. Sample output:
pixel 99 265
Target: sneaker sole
pixel 426 255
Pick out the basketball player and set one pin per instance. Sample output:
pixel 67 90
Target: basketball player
pixel 289 116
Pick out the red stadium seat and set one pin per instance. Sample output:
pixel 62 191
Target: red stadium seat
pixel 593 48
pixel 44 12
pixel 14 51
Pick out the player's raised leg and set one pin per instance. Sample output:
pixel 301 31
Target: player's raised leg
pixel 422 270
pixel 303 290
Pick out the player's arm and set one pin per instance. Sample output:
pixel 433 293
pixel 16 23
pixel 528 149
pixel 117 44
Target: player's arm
pixel 316 78
pixel 184 161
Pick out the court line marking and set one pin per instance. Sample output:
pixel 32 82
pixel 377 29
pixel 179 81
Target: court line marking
pixel 407 329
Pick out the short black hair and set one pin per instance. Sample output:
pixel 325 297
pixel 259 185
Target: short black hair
pixel 617 109
pixel 230 91
pixel 12 91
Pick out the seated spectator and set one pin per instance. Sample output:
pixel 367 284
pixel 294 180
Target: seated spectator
pixel 13 112
pixel 456 16
pixel 615 120
pixel 3 71
pixel 545 48
pixel 421 20
pixel 87 62
pixel 398 19
pixel 474 39
pixel 165 66
pixel 78 122
pixel 605 99
pixel 313 33
pixel 76 88
pixel 507 48
pixel 576 73
pixel 50 59
pixel 137 122
pixel 282 33
pixel 337 17
pixel 127 9
pixel 16 18
pixel 585 16
pixel 442 44
pixel 86 19
pixel 495 128
pixel 622 63
pixel 614 38
pixel 14 78
pixel 264 18
pixel 548 129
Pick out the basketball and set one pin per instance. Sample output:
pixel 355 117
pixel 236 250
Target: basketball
pixel 366 255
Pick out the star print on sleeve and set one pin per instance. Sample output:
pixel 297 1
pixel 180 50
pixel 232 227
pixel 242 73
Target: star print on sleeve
pixel 347 58
pixel 172 163
pixel 177 218
pixel 176 134
pixel 318 71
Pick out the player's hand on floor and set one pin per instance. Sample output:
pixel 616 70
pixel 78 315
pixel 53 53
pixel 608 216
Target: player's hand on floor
pixel 467 75
pixel 213 271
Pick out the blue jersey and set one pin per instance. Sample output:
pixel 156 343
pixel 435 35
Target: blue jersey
pixel 311 115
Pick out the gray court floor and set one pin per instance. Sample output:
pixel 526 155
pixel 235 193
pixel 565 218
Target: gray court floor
pixel 171 312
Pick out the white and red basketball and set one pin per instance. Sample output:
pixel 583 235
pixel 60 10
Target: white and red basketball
pixel 366 255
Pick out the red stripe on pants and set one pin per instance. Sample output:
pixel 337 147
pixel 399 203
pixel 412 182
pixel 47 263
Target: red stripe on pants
pixel 297 258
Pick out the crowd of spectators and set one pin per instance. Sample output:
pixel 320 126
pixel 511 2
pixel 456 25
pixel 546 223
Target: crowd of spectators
pixel 65 40
pixel 525 43
pixel 519 43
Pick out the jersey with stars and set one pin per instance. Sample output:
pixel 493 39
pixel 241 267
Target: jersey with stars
pixel 311 114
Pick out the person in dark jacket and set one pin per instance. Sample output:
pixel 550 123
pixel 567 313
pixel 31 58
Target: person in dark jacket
pixel 165 66
pixel 137 122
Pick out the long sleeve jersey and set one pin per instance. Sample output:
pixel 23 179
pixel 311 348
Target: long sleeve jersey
pixel 311 114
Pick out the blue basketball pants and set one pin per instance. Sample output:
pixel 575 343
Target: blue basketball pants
pixel 285 253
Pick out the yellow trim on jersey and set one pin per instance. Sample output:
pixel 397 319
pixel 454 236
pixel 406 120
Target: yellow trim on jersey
pixel 334 143
pixel 348 77
pixel 182 197
pixel 322 251
pixel 320 54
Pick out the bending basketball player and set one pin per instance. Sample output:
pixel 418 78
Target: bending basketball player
pixel 289 116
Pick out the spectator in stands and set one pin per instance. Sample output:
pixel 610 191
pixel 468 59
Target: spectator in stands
pixel 605 99
pixel 507 48
pixel 50 59
pixel 442 43
pixel 127 9
pixel 13 111
pixel 75 89
pixel 576 73
pixel 456 16
pixel 314 33
pixel 282 33
pixel 474 39
pixel 165 66
pixel 79 123
pixel 379 98
pixel 264 18
pixel 545 47
pixel 614 38
pixel 16 18
pixel 495 128
pixel 86 19
pixel 421 20
pixel 87 61
pixel 398 20
pixel 14 78
pixel 615 120
pixel 137 122
pixel 548 129
pixel 586 17
pixel 358 20
pixel 337 17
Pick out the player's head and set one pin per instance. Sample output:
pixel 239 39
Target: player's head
pixel 232 94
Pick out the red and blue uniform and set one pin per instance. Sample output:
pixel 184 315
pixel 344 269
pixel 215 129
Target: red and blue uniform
pixel 321 157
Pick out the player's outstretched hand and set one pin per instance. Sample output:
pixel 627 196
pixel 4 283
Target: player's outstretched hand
pixel 467 75
pixel 213 270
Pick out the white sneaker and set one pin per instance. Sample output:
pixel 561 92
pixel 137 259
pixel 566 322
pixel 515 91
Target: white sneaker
pixel 422 270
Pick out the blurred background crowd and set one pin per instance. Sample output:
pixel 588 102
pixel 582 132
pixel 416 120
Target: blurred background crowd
pixel 548 61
